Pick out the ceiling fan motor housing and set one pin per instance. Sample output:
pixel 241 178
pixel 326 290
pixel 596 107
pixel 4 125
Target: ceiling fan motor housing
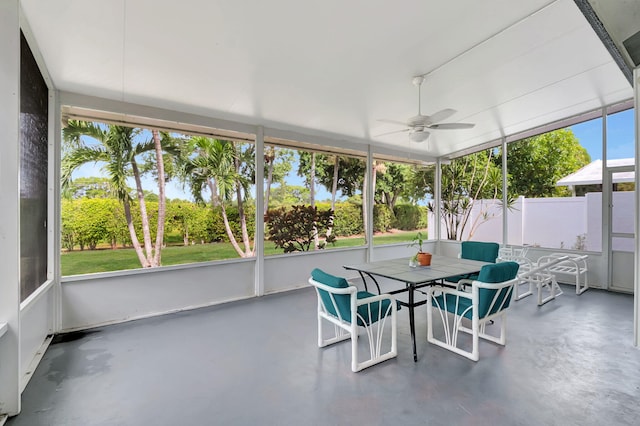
pixel 419 120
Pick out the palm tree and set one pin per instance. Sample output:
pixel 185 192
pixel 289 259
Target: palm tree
pixel 118 150
pixel 216 165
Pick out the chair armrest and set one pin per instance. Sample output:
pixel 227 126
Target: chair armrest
pixel 375 298
pixel 543 265
pixel 346 290
pixel 449 290
pixel 575 260
pixel 463 282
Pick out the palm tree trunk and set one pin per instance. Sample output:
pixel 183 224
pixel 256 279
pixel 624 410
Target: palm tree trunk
pixel 243 218
pixel 334 186
pixel 334 189
pixel 215 198
pixel 269 159
pixel 312 193
pixel 146 233
pixel 225 219
pixel 162 201
pixel 227 227
pixel 134 238
pixel 365 222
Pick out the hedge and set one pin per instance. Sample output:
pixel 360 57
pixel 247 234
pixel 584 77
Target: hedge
pixel 409 217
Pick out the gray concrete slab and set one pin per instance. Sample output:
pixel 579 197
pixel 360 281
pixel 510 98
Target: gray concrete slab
pixel 569 362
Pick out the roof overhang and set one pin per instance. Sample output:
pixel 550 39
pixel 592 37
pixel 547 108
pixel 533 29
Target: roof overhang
pixel 334 69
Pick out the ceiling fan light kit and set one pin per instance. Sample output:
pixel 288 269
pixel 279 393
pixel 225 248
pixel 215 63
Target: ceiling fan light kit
pixel 419 136
pixel 418 125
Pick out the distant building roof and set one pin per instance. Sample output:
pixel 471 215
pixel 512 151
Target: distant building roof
pixel 591 174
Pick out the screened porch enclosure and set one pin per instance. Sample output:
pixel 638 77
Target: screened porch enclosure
pixel 335 83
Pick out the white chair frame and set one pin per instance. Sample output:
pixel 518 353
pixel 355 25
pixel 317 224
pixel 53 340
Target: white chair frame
pixel 345 330
pixel 452 322
pixel 518 255
pixel 575 265
pixel 543 279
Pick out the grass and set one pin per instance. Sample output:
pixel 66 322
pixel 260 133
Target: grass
pixel 91 261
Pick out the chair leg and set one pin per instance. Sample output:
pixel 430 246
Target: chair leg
pixel 517 295
pixel 320 341
pixel 475 352
pixel 550 284
pixel 375 334
pixel 354 349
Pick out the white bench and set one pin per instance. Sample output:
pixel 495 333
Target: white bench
pixel 575 265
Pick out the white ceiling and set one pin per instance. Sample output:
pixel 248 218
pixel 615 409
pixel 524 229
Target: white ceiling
pixel 335 67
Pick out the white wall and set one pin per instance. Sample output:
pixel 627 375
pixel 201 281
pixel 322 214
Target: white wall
pixel 36 323
pixel 9 206
pixel 515 222
pixel 286 272
pixel 99 299
pixel 594 221
pixel 556 222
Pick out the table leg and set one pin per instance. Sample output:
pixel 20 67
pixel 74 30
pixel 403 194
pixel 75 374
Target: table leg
pixel 412 324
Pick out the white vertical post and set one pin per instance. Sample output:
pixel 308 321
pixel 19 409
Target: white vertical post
pixel 55 221
pixel 369 205
pixel 636 279
pixel 10 206
pixel 505 195
pixel 438 202
pixel 259 232
pixel 606 205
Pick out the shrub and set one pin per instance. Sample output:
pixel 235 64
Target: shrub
pixel 347 220
pixel 382 218
pixel 409 217
pixel 217 229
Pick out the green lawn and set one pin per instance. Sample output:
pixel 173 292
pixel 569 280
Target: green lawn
pixel 89 261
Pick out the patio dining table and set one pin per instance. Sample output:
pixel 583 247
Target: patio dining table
pixel 414 278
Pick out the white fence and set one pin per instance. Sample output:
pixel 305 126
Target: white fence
pixel 568 222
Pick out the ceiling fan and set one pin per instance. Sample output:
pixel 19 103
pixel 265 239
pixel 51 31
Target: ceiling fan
pixel 419 125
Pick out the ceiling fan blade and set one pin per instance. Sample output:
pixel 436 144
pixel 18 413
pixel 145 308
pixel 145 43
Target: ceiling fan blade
pixel 384 120
pixel 452 126
pixel 395 131
pixel 442 115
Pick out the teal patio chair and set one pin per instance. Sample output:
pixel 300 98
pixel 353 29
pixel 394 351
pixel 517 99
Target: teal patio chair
pixel 488 300
pixel 476 250
pixel 348 309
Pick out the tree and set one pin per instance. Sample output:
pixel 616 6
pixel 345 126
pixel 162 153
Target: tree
pixel 392 184
pixel 220 166
pixel 277 163
pixel 89 187
pixel 466 182
pixel 118 147
pixel 287 195
pixel 535 164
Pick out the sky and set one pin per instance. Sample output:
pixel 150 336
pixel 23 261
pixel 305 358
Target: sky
pixel 620 144
pixel 620 136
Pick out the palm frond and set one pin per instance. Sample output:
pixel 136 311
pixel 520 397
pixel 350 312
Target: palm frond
pixel 78 157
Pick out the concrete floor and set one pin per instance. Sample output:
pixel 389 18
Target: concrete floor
pixel 255 362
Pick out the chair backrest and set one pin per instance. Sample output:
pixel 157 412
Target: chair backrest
pixel 342 301
pixel 493 300
pixel 478 250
